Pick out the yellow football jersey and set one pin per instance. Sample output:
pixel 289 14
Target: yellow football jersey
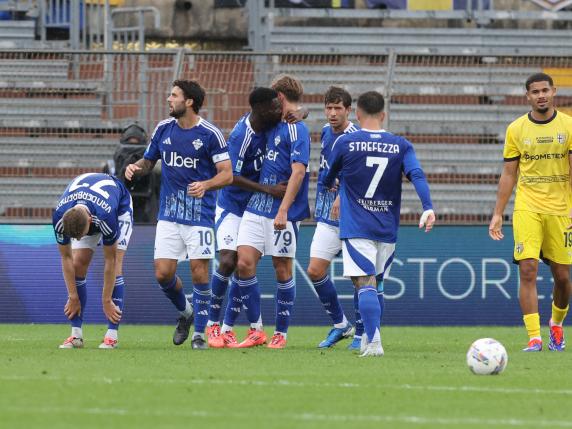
pixel 542 149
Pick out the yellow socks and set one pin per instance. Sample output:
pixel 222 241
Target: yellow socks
pixel 532 324
pixel 558 314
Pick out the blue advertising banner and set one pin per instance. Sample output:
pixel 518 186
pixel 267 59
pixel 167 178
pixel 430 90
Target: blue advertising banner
pixel 455 275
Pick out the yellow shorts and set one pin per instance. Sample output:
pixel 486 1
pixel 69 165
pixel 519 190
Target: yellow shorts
pixel 536 232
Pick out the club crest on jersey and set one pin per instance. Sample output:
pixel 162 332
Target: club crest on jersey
pixel 276 140
pixel 520 248
pixel 527 142
pixel 238 167
pixel 197 144
pixel 561 138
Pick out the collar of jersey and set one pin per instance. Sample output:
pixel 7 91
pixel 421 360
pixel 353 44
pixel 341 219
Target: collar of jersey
pixel 373 131
pixel 534 121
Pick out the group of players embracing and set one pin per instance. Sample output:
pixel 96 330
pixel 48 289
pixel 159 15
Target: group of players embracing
pixel 253 191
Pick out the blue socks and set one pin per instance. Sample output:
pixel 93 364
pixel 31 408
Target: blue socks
pixel 117 297
pixel 201 303
pixel 250 295
pixel 359 321
pixel 80 284
pixel 380 297
pixel 218 289
pixel 285 295
pixel 329 298
pixel 369 309
pixel 177 297
pixel 234 303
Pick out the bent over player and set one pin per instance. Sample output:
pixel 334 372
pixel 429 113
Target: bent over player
pixel 94 207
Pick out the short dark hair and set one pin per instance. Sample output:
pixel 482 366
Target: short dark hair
pixel 261 95
pixel 335 94
pixel 74 222
pixel 371 102
pixel 538 77
pixel 289 86
pixel 191 89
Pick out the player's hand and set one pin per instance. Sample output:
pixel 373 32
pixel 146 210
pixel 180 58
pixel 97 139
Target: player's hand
pixel 495 228
pixel 570 224
pixel 278 190
pixel 72 307
pixel 297 115
pixel 427 219
pixel 197 189
pixel 335 212
pixel 131 170
pixel 112 312
pixel 280 220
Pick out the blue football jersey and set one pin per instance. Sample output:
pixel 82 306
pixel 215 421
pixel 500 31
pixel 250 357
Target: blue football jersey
pixel 246 149
pixel 325 198
pixel 187 156
pixel 371 165
pixel 106 199
pixel 285 144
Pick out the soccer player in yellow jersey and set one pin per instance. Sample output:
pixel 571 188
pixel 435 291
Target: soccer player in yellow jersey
pixel 537 156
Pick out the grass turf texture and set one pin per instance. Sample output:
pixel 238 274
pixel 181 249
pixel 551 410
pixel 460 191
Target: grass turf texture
pixel 422 381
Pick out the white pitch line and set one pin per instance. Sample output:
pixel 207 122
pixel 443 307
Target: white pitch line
pixel 350 418
pixel 288 383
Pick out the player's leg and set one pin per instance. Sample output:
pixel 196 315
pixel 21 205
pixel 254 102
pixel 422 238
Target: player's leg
pixel 227 225
pixel 283 244
pixel 219 283
pixel 356 342
pixel 232 311
pixel 325 246
pixel 200 245
pixel 250 247
pixel 82 255
pixel 126 228
pixel 201 300
pixel 556 247
pixel 169 248
pixel 560 305
pixel 528 236
pixel 360 259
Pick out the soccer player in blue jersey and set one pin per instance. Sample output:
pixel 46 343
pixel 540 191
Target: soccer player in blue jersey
pixel 326 243
pixel 247 147
pixel 195 162
pixel 93 207
pixel 370 164
pixel 270 225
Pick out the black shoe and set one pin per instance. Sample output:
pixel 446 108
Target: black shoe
pixel 199 343
pixel 182 330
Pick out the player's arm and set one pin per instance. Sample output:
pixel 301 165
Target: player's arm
pixel 277 191
pixel 570 172
pixel 112 312
pixel 417 177
pixel 294 183
pixel 507 181
pixel 335 163
pixel 73 305
pixel 222 178
pixel 139 168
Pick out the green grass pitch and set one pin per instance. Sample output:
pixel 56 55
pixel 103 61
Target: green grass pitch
pixel 421 382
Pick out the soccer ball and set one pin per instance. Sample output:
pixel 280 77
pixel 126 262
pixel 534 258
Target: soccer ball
pixel 487 357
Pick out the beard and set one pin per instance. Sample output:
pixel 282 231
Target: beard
pixel 177 113
pixel 542 110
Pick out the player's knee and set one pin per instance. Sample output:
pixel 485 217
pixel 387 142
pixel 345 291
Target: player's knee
pixel 561 280
pixel 245 267
pixel 528 273
pixel 227 264
pixel 163 277
pixel 315 273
